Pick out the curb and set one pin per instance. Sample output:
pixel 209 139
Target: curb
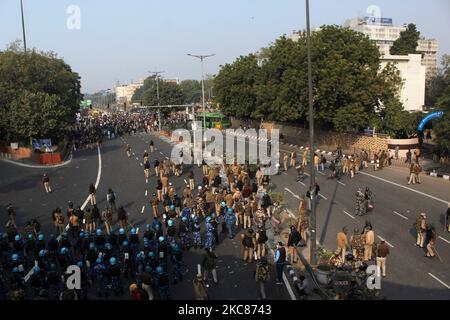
pixel 438 175
pixel 40 166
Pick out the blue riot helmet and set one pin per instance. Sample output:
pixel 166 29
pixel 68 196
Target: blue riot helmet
pixel 151 254
pixel 230 210
pixel 30 237
pixel 113 261
pixel 99 260
pixel 42 253
pixel 172 207
pixel 208 219
pixel 175 247
pixel 15 257
pixel 147 227
pixel 146 244
pixel 17 237
pixel 81 234
pixel 122 231
pixel 15 270
pixel 41 237
pixel 37 269
pixel 159 270
pixel 80 264
pixel 99 232
pixel 170 222
pixel 223 204
pixel 184 219
pixel 213 215
pixel 133 231
pixel 148 269
pixel 157 226
pixel 91 245
pixel 125 243
pixel 108 246
pixel 161 239
pixel 64 250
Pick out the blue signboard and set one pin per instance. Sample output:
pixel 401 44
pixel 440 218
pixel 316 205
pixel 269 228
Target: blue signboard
pixel 41 143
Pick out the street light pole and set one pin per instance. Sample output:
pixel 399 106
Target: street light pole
pixel 156 74
pixel 202 57
pixel 311 141
pixel 23 27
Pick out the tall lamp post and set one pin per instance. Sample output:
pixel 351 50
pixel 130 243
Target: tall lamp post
pixel 156 75
pixel 23 27
pixel 202 57
pixel 311 141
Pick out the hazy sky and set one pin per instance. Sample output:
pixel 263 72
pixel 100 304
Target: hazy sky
pixel 122 40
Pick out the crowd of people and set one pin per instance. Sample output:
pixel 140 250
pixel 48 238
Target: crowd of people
pixel 111 253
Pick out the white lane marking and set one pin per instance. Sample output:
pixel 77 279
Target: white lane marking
pixel 30 272
pixel 40 167
pixel 286 282
pixel 322 196
pixel 390 245
pixel 143 208
pixel 97 182
pixel 438 280
pixel 341 183
pixel 444 239
pixel 349 215
pixel 146 180
pixel 167 158
pixel 185 181
pixel 407 188
pixel 161 152
pixel 320 172
pixel 141 164
pixel 293 194
pixel 285 173
pixel 137 158
pixel 302 183
pixel 400 215
pixel 146 192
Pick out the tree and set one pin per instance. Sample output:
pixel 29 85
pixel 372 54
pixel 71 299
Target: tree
pixel 40 87
pixel 408 41
pixel 442 126
pixel 272 84
pixel 234 86
pixel 192 91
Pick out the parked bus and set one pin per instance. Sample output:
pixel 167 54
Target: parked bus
pixel 214 120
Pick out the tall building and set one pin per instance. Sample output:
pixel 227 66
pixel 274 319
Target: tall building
pixel 124 93
pixel 412 72
pixel 385 33
pixel 429 48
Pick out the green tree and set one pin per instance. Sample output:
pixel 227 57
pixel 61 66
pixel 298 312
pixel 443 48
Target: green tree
pixel 234 86
pixel 192 91
pixel 408 41
pixel 36 82
pixel 442 126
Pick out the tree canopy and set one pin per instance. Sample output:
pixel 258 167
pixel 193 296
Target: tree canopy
pixel 408 41
pixel 349 89
pixel 40 95
pixel 442 126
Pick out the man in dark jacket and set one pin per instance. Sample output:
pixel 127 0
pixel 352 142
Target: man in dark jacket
pixel 293 241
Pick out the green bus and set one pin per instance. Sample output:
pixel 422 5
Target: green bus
pixel 214 120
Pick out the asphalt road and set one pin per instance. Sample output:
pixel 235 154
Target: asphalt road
pixel 410 274
pixel 22 187
pixel 397 206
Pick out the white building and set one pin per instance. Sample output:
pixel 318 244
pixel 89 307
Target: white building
pixel 412 72
pixel 384 33
pixel 124 93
